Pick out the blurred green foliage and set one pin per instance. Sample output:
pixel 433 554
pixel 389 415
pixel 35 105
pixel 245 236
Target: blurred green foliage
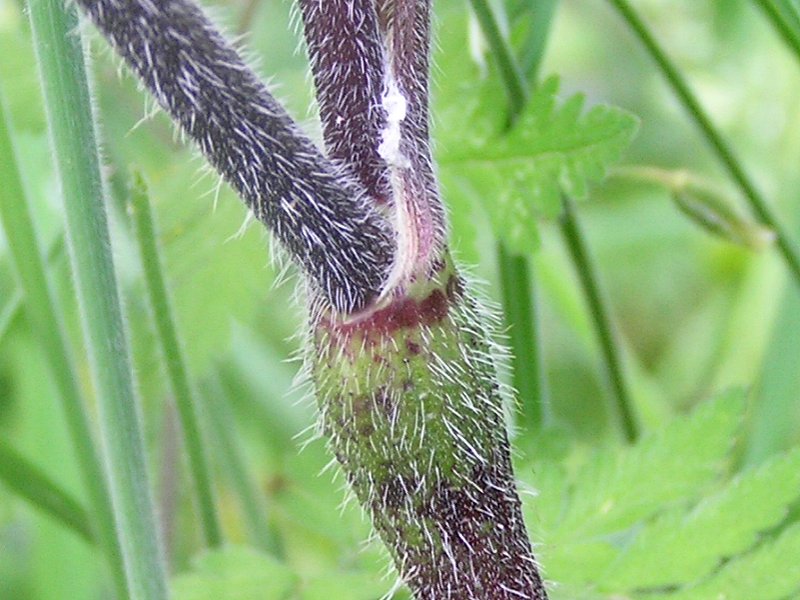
pixel 695 316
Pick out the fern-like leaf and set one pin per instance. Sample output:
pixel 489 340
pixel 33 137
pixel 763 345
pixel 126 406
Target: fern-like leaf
pixel 680 547
pixel 520 174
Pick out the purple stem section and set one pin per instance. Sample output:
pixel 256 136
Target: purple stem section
pixel 348 63
pixel 406 26
pixel 322 217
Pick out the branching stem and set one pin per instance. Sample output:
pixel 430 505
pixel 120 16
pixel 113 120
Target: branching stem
pixel 787 246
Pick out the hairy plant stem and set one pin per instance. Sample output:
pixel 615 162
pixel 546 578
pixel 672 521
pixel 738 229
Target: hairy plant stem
pixel 40 305
pixel 600 315
pixel 69 115
pixel 30 483
pixel 778 20
pixel 185 399
pixel 410 401
pixel 723 151
pixel 408 393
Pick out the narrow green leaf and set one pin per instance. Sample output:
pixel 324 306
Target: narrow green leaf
pixel 40 304
pixel 9 310
pixel 231 462
pixel 31 484
pixel 69 115
pixel 185 400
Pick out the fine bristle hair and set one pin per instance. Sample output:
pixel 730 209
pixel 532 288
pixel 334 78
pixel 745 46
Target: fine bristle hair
pixel 323 218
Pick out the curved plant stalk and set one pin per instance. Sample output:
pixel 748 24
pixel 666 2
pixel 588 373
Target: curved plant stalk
pixel 40 305
pixel 786 245
pixel 403 369
pixel 185 399
pixel 66 94
pixel 30 483
pixel 600 315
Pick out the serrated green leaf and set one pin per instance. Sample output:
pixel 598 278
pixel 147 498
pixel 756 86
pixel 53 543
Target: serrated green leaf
pixel 770 572
pixel 521 174
pixel 581 524
pixel 679 548
pixel 617 489
pixel 235 573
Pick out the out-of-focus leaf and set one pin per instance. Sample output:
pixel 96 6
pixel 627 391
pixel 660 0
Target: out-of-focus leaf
pixel 235 573
pixel 614 489
pixel 343 585
pixel 770 572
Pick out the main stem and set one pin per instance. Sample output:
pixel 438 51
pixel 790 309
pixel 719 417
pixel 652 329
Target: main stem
pixel 67 100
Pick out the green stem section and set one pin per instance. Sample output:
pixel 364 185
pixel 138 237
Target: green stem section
pixel 519 306
pixel 533 50
pixel 510 72
pixel 67 101
pixel 167 335
pixel 788 248
pixel 600 315
pixel 40 305
pixel 30 483
pixel 779 22
pixel 517 286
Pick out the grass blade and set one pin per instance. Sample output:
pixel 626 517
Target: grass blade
pixel 66 94
pixel 185 399
pixel 785 25
pixel 30 483
pixel 40 305
pixel 251 498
